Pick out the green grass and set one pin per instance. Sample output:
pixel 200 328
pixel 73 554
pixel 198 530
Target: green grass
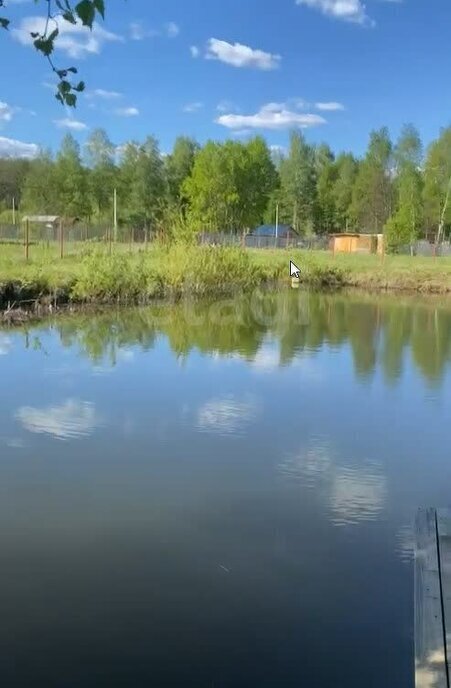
pixel 142 274
pixel 406 273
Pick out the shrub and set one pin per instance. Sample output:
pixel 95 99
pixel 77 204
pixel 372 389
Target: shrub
pixel 117 277
pixel 207 269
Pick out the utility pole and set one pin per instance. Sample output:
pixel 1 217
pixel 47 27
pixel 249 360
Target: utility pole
pixel 115 214
pixel 14 211
pixel 277 221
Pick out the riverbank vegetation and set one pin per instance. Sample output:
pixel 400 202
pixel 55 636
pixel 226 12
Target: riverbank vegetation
pixel 179 269
pixel 232 186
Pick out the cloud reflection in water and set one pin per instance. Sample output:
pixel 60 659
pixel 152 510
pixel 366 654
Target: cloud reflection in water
pixel 358 494
pixel 353 493
pixel 70 420
pixel 5 345
pixel 227 415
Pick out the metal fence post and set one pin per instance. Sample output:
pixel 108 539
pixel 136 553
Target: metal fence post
pixel 27 238
pixel 61 239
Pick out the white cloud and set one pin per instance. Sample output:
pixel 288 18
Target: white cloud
pixel 194 50
pixel 69 420
pixel 346 10
pixel 69 123
pixel 329 107
pixel 77 41
pixel 193 107
pixel 226 106
pixel 10 148
pixel 6 112
pixel 172 30
pixel 127 112
pixel 271 116
pixel 239 55
pixel 138 31
pixel 103 94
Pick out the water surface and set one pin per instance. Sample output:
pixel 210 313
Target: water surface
pixel 220 495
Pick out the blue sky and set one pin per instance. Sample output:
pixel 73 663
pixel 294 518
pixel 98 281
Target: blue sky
pixel 221 68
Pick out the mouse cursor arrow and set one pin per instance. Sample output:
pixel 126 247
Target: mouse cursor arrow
pixel 294 270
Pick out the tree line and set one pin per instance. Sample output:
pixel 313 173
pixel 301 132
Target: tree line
pixel 396 187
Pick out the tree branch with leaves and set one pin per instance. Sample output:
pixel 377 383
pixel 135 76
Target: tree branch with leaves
pixel 85 13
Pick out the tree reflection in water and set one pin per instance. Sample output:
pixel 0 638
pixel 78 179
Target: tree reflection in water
pixel 380 330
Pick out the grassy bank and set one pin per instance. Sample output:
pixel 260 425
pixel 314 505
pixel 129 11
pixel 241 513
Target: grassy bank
pixel 400 273
pixel 139 276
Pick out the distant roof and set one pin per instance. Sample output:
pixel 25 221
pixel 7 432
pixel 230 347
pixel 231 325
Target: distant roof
pixel 51 219
pixel 273 230
pixel 345 234
pixel 41 219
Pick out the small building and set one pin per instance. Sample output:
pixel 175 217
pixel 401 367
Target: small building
pixel 47 221
pixel 350 242
pixel 272 236
pixel 51 221
pixel 47 227
pixel 275 231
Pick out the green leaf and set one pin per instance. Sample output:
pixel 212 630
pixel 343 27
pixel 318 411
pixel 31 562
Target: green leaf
pixel 44 45
pixel 71 99
pixel 63 5
pixel 69 17
pixel 4 23
pixel 64 87
pixel 51 37
pixel 100 7
pixel 86 11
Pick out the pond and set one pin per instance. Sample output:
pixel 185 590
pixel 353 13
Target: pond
pixel 220 495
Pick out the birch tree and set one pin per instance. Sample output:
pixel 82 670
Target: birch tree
pixel 437 185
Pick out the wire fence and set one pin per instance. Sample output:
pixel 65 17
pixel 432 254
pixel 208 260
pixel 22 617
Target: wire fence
pixel 263 242
pixel 32 238
pixel 426 248
pixel 422 247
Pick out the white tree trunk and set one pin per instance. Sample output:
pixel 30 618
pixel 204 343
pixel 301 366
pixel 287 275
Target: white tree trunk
pixel 443 214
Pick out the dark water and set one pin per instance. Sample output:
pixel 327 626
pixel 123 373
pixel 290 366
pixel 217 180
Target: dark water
pixel 222 495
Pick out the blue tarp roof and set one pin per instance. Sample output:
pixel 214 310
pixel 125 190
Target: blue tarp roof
pixel 270 231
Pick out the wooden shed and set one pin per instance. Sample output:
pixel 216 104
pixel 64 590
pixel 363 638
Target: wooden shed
pixel 343 243
pixel 350 242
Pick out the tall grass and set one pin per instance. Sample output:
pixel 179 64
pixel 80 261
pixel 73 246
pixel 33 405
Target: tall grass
pixel 207 269
pixel 105 278
pixel 173 271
